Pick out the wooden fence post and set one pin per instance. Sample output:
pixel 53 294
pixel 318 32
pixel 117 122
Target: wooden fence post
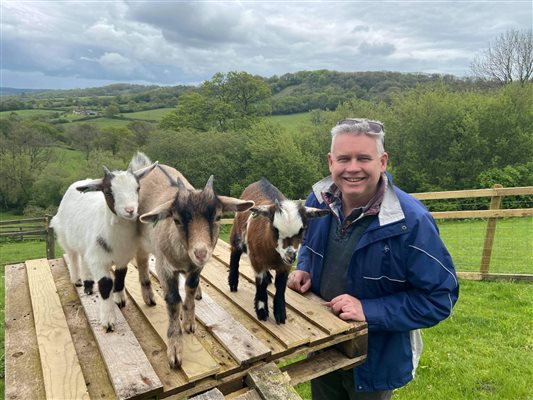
pixel 50 240
pixel 495 203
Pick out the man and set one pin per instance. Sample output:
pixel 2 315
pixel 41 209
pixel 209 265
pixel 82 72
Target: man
pixel 377 258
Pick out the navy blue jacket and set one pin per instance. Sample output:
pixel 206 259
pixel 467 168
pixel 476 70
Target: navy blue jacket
pixel 403 275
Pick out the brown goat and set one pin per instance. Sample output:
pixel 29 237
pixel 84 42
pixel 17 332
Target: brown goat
pixel 180 226
pixel 270 233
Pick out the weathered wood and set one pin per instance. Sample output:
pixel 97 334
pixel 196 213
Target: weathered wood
pixel 318 365
pixel 235 338
pixel 271 383
pixel 478 276
pixel 489 235
pixel 323 318
pixel 60 366
pixel 197 363
pixel 246 394
pixel 24 379
pixel 92 364
pixel 50 240
pixel 518 212
pixel 290 334
pixel 213 394
pixel 460 194
pixel 128 368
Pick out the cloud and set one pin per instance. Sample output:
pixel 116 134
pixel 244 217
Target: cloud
pixel 172 42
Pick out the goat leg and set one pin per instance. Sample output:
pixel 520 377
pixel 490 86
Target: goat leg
pixel 119 293
pixel 279 298
pixel 174 332
pixel 262 279
pixel 141 260
pixel 233 278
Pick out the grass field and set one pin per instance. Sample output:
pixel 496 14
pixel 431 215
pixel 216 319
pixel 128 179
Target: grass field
pixel 28 113
pixel 152 115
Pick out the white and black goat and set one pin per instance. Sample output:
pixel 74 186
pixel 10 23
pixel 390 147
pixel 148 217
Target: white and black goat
pixel 180 226
pixel 96 225
pixel 270 233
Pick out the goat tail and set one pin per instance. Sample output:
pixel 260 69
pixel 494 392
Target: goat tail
pixel 139 160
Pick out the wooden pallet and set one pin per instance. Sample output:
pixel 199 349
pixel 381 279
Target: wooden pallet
pixel 55 347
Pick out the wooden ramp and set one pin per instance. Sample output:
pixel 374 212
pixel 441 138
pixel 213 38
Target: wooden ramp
pixel 55 347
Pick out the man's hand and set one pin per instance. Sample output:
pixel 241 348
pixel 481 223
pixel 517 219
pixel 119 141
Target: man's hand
pixel 348 308
pixel 299 281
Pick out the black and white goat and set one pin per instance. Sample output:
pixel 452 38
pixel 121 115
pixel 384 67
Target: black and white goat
pixel 180 226
pixel 270 233
pixel 96 225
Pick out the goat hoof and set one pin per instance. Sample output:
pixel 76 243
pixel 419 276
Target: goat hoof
pixel 233 288
pixel 280 319
pixel 262 315
pixel 120 298
pixel 109 327
pixel 174 353
pixel 78 283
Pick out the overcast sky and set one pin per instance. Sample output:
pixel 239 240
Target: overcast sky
pixel 75 44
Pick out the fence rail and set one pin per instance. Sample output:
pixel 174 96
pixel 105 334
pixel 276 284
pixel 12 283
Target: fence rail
pixel 19 229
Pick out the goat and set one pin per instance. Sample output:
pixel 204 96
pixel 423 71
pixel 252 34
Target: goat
pixel 96 226
pixel 271 242
pixel 180 226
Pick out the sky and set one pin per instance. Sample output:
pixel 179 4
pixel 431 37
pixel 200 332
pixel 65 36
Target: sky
pixel 79 44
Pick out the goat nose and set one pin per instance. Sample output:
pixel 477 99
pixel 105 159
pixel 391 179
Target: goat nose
pixel 200 254
pixel 129 210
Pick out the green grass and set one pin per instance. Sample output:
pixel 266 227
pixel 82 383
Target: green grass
pixel 292 121
pixel 152 115
pixel 28 113
pixel 512 248
pixel 100 122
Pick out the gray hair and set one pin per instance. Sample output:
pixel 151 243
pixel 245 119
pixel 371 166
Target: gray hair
pixel 361 126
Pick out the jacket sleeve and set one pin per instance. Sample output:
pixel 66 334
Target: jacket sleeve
pixel 432 286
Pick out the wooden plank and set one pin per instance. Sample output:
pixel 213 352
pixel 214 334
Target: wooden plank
pixel 319 364
pixel 323 318
pixel 271 383
pixel 60 366
pixel 489 235
pixel 213 394
pixel 293 333
pixel 232 335
pixel 197 363
pixel 92 364
pixel 458 194
pixel 477 276
pixel 24 379
pixel 247 394
pixel 128 368
pixel 518 212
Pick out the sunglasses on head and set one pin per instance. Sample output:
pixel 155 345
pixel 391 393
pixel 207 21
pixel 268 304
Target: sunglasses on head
pixel 374 126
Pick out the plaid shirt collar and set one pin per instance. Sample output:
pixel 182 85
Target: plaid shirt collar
pixel 333 198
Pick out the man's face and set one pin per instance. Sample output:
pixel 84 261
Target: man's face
pixel 356 167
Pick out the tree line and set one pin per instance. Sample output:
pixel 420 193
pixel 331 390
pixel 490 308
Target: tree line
pixel 438 138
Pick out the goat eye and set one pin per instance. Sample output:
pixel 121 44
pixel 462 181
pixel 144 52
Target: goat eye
pixel 218 218
pixel 177 222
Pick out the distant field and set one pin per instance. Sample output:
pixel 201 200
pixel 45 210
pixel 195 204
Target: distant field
pixel 29 113
pixel 152 115
pixel 292 121
pixel 100 122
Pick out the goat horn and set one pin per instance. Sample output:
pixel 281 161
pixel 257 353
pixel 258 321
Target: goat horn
pixel 209 184
pixel 278 205
pixel 181 185
pixel 107 171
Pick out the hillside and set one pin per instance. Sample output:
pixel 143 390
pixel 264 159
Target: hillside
pixel 291 93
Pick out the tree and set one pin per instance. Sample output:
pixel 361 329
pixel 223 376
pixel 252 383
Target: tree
pixel 111 110
pixel 83 137
pixel 508 59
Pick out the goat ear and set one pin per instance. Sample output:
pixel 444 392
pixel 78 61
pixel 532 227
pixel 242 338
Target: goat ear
pixel 95 185
pixel 312 212
pixel 141 173
pixel 233 204
pixel 157 214
pixel 263 211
